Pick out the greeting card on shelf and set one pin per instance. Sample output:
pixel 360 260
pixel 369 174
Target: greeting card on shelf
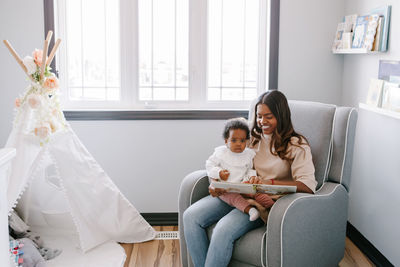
pixel 364 32
pixel 384 12
pixel 374 96
pixel 394 79
pixel 378 36
pixel 337 42
pixel 391 96
pixel 371 31
pixel 350 21
pixel 347 38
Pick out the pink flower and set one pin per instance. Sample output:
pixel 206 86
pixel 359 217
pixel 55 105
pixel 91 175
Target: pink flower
pixel 43 131
pixel 51 83
pixel 34 101
pixel 17 102
pixel 37 56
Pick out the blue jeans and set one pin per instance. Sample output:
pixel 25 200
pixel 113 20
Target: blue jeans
pixel 231 225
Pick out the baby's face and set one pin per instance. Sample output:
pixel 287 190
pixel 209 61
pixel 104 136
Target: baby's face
pixel 237 140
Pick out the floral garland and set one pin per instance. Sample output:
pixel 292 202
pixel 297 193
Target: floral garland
pixel 41 98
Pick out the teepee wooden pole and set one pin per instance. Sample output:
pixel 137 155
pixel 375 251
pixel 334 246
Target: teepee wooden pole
pixel 49 35
pixel 18 59
pixel 53 52
pixel 44 58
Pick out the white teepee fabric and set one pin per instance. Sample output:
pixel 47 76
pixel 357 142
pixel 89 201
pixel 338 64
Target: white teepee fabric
pixel 63 181
pixel 78 184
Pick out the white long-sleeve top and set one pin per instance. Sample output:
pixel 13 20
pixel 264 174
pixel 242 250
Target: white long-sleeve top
pixel 239 165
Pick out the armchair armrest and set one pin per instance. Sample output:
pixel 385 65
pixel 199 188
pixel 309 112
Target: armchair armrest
pixel 193 187
pixel 308 229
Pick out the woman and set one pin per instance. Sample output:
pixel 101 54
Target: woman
pixel 283 157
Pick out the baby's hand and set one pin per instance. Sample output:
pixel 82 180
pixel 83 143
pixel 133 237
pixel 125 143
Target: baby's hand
pixel 216 192
pixel 224 174
pixel 255 180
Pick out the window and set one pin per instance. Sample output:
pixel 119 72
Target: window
pixel 163 39
pixel 233 48
pixel 163 54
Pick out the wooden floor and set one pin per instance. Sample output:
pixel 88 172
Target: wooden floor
pixel 165 253
pixel 156 253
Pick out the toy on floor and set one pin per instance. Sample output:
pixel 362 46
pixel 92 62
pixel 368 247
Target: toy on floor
pixel 16 252
pixel 35 250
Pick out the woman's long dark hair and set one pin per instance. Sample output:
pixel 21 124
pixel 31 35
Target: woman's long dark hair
pixel 281 137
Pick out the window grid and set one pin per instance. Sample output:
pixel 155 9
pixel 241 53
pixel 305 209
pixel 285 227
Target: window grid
pixel 82 63
pixel 105 51
pixel 222 49
pixel 175 40
pixel 173 68
pixel 244 67
pixel 106 86
pixel 152 49
pixel 244 48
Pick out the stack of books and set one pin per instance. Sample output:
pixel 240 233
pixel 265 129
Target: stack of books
pixel 369 32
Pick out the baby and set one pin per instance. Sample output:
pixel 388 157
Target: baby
pixel 234 163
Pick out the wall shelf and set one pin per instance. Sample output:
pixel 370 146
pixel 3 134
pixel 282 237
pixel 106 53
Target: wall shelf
pixel 382 111
pixel 355 51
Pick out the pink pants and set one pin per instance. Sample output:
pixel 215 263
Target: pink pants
pixel 238 201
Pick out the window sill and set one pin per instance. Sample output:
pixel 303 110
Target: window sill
pixel 96 115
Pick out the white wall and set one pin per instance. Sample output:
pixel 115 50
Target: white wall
pixel 21 22
pixel 147 160
pixel 374 197
pixel 307 68
pixel 158 154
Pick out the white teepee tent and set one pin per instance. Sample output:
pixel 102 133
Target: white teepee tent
pixel 60 177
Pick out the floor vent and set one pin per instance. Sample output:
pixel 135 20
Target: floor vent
pixel 167 235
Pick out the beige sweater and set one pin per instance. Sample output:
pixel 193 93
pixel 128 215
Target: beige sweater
pixel 269 166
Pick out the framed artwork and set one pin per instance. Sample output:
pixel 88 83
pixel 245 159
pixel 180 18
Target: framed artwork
pixel 388 68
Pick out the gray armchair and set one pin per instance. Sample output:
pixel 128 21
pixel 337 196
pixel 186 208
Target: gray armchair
pixel 302 229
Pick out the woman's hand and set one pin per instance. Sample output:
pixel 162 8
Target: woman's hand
pixel 255 180
pixel 216 192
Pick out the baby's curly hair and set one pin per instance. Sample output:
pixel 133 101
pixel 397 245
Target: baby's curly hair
pixel 236 123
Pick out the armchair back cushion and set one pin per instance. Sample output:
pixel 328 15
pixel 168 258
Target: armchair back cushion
pixel 314 121
pixel 342 145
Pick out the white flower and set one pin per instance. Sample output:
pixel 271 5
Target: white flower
pixel 30 65
pixel 34 101
pixel 43 130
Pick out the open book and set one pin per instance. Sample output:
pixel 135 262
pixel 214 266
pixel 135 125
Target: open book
pixel 254 188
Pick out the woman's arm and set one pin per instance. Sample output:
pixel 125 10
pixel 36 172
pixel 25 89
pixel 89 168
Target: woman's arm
pixel 301 188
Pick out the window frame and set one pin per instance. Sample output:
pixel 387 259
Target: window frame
pixel 197 76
